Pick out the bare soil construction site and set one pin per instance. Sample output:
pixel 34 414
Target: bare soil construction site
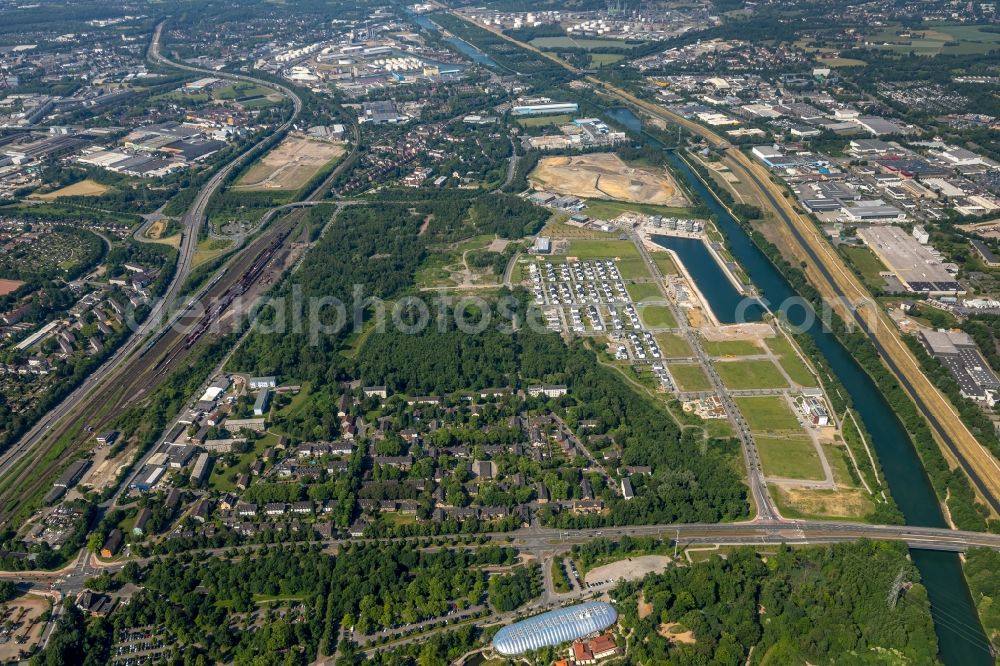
pixel 290 165
pixel 606 176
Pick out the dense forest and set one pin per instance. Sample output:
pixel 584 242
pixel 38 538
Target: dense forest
pixel 812 605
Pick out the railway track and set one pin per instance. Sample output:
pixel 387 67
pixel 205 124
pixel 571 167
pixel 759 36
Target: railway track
pixel 151 355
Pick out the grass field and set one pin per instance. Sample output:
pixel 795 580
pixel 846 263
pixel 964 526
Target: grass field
pixel 558 228
pixel 665 263
pixel 865 261
pixel 641 291
pixel 598 60
pixel 539 121
pixel 769 413
pixel 603 209
pixel 791 362
pixel 690 377
pixel 791 457
pixel 656 316
pixel 941 39
pixel 209 249
pixel 673 345
pixel 731 347
pixel 568 42
pixel 750 374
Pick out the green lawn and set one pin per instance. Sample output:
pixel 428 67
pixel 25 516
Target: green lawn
pixel 731 347
pixel 769 413
pixel 598 60
pixel 792 457
pixel 642 291
pixel 656 316
pixel 568 42
pixel 224 479
pixel 539 121
pixel 673 345
pixel 690 377
pixel 665 263
pixel 750 374
pixel 791 362
pixel 867 264
pixel 604 209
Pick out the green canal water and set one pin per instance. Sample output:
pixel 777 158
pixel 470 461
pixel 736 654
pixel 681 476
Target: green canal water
pixel 960 634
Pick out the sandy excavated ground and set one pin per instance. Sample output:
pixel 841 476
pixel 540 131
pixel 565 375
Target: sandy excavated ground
pixel 630 569
pixel 290 165
pixel 606 176
pixel 85 188
pixel 26 610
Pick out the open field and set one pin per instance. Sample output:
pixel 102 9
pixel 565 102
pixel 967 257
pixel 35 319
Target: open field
pixel 750 374
pixel 690 377
pixel 792 457
pixel 84 188
pixel 540 121
pixel 602 59
pixel 642 291
pixel 791 362
pixel 942 39
pixel 568 42
pixel 632 568
pixel 604 209
pixel 731 347
pixel 606 176
pixel 9 286
pixel 665 263
pixel 867 264
pixel 557 227
pixel 851 503
pixel 673 345
pixel 209 249
pixel 769 413
pixel 289 165
pixel 656 316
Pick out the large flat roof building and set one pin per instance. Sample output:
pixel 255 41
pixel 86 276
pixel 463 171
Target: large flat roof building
pixel 913 264
pixel 957 351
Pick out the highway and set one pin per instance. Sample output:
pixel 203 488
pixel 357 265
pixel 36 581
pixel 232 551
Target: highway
pixel 163 315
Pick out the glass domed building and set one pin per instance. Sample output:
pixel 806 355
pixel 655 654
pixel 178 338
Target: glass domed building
pixel 554 627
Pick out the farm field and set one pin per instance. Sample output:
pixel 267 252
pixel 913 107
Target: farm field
pixel 289 165
pixel 606 176
pixel 941 39
pixel 769 413
pixel 750 374
pixel 605 209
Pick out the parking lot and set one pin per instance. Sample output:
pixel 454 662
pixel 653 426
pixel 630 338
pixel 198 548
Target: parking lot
pixel 138 646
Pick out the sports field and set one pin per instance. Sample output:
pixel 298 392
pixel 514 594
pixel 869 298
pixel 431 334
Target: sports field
pixel 289 165
pixel 606 176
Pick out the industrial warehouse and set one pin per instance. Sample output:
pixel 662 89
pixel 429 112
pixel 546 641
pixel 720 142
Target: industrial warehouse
pixel 554 627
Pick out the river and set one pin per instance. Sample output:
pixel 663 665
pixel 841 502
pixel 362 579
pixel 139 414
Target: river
pixel 467 49
pixel 960 635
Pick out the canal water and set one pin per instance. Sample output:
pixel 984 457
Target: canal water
pixel 960 635
pixel 467 49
